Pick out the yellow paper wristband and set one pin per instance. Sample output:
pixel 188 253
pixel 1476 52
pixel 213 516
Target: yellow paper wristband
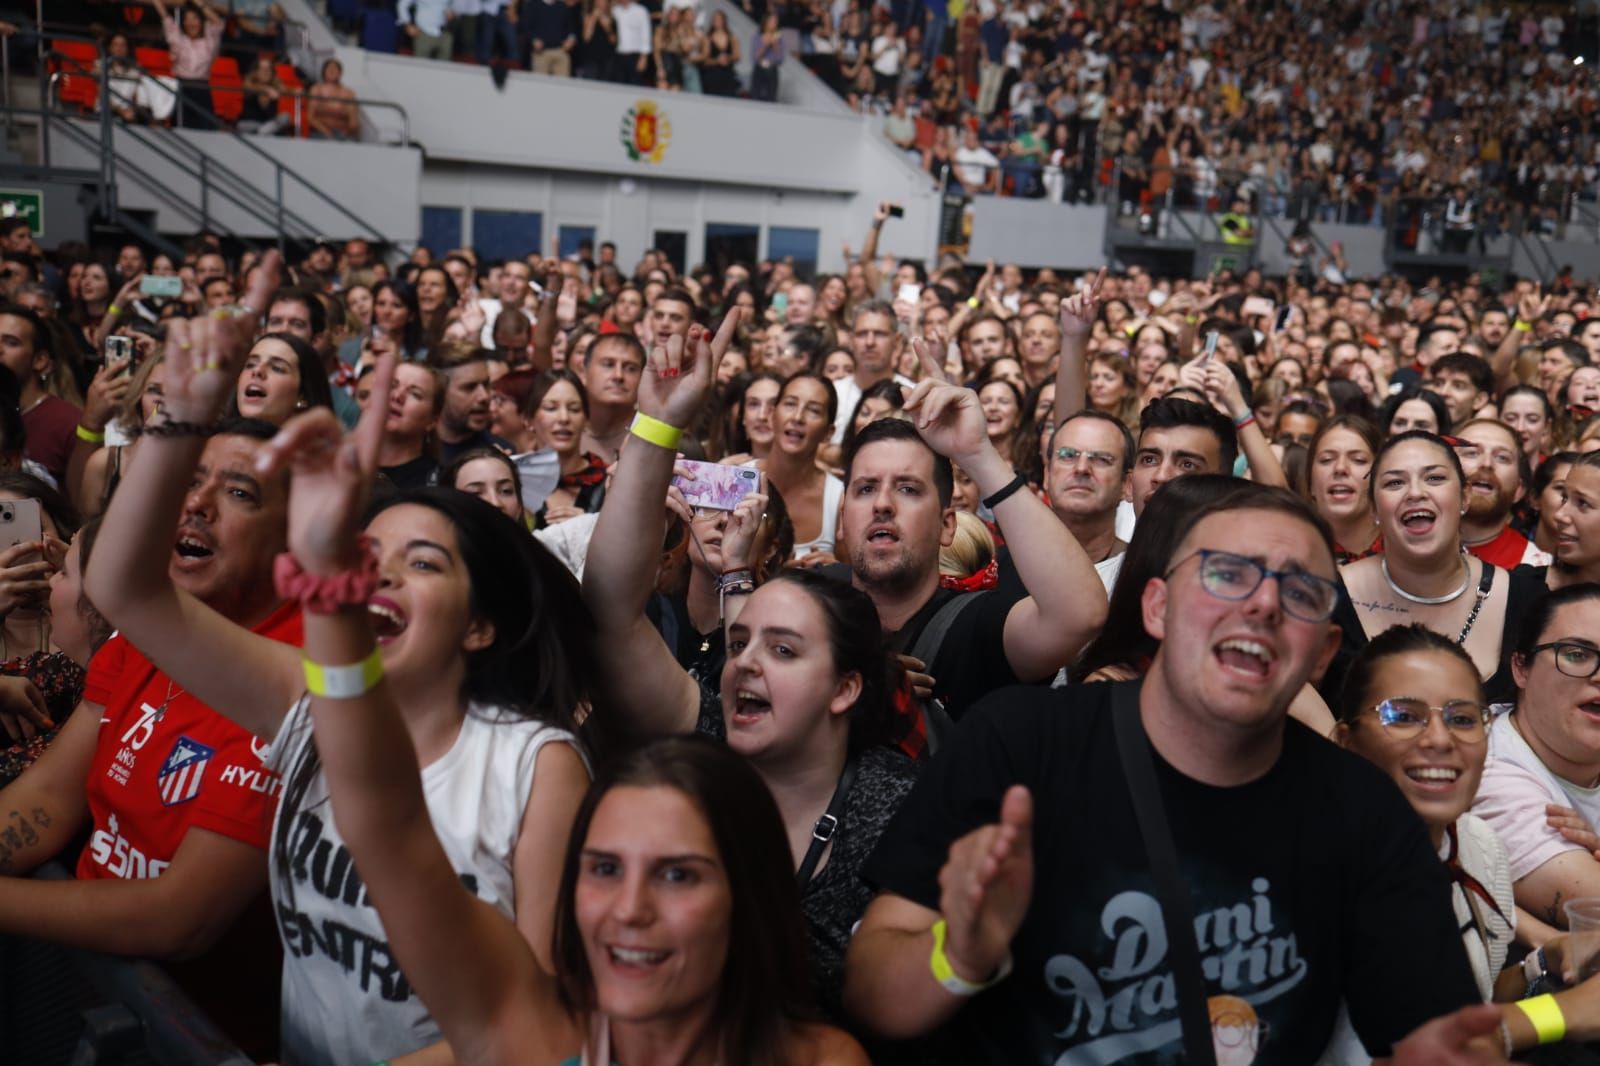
pixel 344 682
pixel 656 432
pixel 1545 1015
pixel 89 435
pixel 1523 327
pixel 946 975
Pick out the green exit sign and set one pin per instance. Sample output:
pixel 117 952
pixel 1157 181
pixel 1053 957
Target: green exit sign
pixel 24 203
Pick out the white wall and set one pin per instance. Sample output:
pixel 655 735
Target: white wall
pixel 546 143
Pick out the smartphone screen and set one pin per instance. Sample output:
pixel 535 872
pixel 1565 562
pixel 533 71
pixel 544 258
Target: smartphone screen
pixel 166 286
pixel 119 354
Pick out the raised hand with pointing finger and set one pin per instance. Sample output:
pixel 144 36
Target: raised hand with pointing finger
pixel 985 888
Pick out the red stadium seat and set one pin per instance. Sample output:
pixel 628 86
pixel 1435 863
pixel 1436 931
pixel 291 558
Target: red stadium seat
pixel 226 99
pixel 74 61
pixel 286 103
pixel 157 61
pixel 81 90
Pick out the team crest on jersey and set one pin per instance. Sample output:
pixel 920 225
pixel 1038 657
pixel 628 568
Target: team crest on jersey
pixel 182 773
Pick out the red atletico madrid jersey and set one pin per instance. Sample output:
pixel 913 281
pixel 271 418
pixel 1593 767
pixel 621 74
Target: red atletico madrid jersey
pixel 166 763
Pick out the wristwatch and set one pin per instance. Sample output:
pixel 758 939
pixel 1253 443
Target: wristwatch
pixel 1535 968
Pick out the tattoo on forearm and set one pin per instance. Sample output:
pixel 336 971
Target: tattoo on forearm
pixel 17 832
pixel 1553 915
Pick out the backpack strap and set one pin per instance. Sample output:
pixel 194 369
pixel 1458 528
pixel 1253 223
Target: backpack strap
pixel 1177 911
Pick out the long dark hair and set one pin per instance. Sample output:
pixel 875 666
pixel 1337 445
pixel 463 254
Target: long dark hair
pixel 549 380
pixel 858 646
pixel 51 500
pixel 1123 639
pixel 1356 695
pixel 541 662
pixel 1391 406
pixel 738 442
pixel 433 329
pixel 314 390
pixel 411 341
pixel 888 389
pixel 831 397
pixel 1389 445
pixel 448 475
pixel 765 992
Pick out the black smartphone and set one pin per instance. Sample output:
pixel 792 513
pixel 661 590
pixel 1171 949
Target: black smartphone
pixel 896 211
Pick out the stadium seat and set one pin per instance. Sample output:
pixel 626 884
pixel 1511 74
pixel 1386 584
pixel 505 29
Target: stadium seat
pixel 155 61
pixel 80 89
pixel 73 57
pixel 380 31
pixel 286 103
pixel 226 99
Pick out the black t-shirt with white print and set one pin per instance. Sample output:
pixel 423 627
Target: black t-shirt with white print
pixel 1312 885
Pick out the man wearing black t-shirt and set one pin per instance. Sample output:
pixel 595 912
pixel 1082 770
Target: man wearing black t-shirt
pixel 895 516
pixel 1310 879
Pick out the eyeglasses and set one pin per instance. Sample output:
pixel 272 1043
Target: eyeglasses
pixel 1103 460
pixel 1236 577
pixel 1575 660
pixel 1404 717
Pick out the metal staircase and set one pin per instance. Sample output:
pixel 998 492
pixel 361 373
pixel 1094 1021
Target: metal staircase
pixel 40 127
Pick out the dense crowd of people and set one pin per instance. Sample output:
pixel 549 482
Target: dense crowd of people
pixel 1351 112
pixel 568 661
pixel 1463 120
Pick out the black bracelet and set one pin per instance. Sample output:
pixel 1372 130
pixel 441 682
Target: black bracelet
pixel 174 429
pixel 1005 492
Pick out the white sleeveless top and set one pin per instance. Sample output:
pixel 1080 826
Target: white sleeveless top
pixel 832 493
pixel 344 997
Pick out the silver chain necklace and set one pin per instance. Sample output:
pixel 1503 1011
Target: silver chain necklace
pixel 1428 601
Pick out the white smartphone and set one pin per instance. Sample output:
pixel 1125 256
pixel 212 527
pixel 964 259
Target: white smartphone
pixel 20 524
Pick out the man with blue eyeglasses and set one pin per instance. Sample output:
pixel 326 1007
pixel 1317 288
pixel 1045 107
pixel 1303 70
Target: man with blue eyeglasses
pixel 1026 911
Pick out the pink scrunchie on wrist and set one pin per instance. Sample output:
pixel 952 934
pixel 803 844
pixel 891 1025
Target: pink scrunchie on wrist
pixel 325 595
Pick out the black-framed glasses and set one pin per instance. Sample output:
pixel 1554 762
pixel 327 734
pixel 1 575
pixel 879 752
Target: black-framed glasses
pixel 1573 659
pixel 1103 460
pixel 1236 577
pixel 1404 717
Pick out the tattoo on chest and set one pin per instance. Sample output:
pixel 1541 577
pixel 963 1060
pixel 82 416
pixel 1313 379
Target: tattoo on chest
pixel 1374 605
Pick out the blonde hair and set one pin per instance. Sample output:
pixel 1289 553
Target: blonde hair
pixel 971 550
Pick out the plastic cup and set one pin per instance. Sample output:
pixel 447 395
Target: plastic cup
pixel 1583 935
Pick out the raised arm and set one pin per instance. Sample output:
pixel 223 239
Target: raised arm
pixel 246 677
pixel 869 248
pixel 476 975
pixel 106 393
pixel 985 888
pixel 646 682
pixel 1078 313
pixel 1066 602
pixel 544 331
pixel 1223 386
